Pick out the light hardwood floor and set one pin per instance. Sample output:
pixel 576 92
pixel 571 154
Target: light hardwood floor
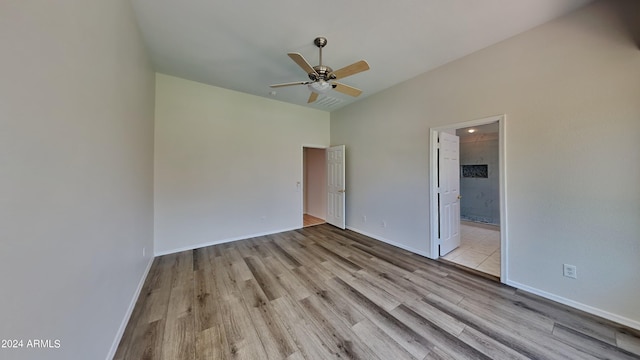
pixel 310 220
pixel 325 293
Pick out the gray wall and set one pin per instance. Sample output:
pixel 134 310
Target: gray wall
pixel 76 164
pixel 569 89
pixel 228 165
pixel 480 196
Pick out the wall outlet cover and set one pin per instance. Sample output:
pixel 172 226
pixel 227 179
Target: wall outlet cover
pixel 570 271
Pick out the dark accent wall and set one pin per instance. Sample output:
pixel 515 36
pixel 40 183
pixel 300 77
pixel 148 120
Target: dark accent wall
pixel 480 195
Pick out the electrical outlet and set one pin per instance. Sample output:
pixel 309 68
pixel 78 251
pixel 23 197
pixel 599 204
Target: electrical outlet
pixel 383 224
pixel 570 271
pixel 364 218
pixel 144 251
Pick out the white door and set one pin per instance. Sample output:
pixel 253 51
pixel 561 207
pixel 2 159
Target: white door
pixel 335 186
pixel 449 192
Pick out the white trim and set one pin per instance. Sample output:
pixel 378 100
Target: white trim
pixel 577 305
pixel 433 194
pixel 401 246
pixel 201 245
pixel 127 315
pixel 433 191
pixel 315 146
pixel 504 222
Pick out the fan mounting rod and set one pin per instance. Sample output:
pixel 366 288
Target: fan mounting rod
pixel 321 72
pixel 320 42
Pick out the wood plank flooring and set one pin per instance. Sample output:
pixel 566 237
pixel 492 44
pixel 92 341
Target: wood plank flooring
pixel 324 293
pixel 310 220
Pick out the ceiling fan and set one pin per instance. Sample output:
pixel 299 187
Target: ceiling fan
pixel 322 76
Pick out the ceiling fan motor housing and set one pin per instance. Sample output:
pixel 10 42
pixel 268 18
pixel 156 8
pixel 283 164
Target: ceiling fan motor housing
pixel 323 72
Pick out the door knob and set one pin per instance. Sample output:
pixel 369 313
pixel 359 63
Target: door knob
pixel 341 191
pixel 459 197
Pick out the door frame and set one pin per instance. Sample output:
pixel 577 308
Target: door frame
pixel 433 187
pixel 301 187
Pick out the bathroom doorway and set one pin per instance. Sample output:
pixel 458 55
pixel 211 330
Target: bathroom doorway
pixel 482 244
pixel 480 199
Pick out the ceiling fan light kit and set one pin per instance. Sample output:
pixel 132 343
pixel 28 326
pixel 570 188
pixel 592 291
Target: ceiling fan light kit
pixel 322 76
pixel 321 87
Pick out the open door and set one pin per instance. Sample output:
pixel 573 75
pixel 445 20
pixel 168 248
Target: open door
pixel 449 192
pixel 336 186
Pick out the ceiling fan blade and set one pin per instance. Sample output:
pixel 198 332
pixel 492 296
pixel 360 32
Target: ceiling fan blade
pixel 346 89
pixel 349 70
pixel 313 97
pixel 290 84
pixel 302 62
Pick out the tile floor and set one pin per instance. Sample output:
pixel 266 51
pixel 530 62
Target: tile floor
pixel 479 248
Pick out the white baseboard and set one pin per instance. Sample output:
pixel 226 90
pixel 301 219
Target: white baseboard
pixel 580 306
pixel 217 242
pixel 401 246
pixel 127 316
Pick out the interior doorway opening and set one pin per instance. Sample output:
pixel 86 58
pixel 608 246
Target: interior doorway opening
pixel 481 220
pixel 479 163
pixel 314 177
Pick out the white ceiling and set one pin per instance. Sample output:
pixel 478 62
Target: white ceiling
pixel 242 45
pixel 491 128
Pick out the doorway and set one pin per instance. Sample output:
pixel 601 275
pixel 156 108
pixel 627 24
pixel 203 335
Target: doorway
pixel 481 220
pixel 314 177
